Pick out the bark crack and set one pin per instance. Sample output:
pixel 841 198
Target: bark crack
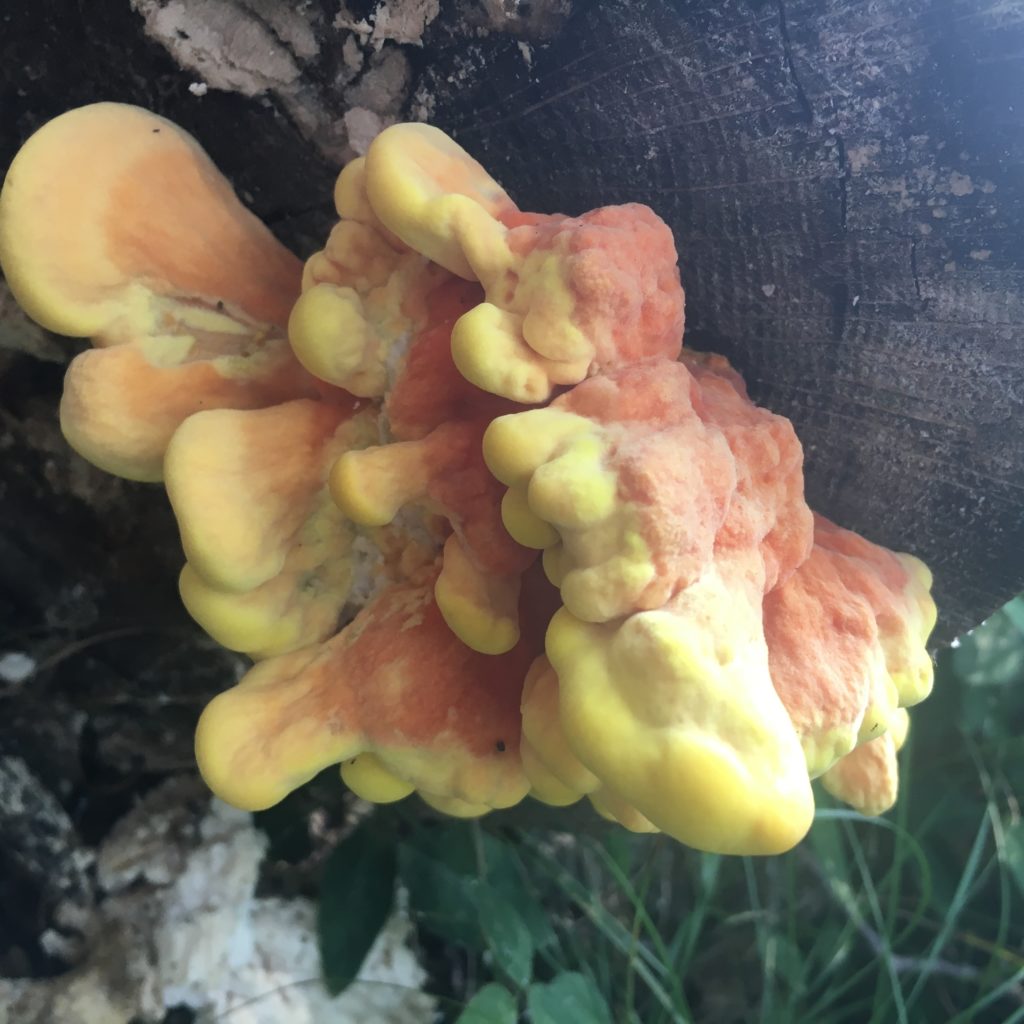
pixel 914 271
pixel 787 55
pixel 844 182
pixel 245 11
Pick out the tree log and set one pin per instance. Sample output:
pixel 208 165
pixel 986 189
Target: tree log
pixel 842 178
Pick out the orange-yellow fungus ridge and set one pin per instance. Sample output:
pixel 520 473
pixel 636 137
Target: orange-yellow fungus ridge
pixel 485 528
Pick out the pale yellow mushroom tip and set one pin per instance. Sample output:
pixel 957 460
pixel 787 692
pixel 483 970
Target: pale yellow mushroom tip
pixel 420 183
pixel 368 777
pixel 115 225
pixel 868 777
pixel 481 608
pixel 219 734
pixel 454 807
pixel 331 338
pixel 730 733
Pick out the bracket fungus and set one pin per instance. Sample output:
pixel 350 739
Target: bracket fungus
pixel 486 529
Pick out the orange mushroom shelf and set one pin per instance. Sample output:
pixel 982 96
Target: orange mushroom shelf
pixel 617 592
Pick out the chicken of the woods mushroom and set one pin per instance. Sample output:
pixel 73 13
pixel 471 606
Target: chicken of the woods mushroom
pixel 487 530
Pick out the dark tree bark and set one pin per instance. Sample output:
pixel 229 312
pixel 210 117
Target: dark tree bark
pixel 844 183
pixel 842 179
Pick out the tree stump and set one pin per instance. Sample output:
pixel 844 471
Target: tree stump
pixel 843 181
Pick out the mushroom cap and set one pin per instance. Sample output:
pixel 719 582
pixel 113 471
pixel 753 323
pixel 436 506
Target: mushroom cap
pixel 846 634
pixel 419 182
pixel 478 587
pixel 437 715
pixel 636 478
pixel 110 214
pixel 271 559
pixel 674 711
pixel 673 505
pixel 426 388
pixel 824 656
pixel 565 296
pixel 242 483
pixel 898 587
pixel 363 295
pixel 556 774
pixel 868 778
pixel 568 297
pixel 115 225
pixel 121 405
pixel 370 779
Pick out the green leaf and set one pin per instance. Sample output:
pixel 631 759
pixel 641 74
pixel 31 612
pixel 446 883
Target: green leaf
pixel 826 840
pixel 493 1004
pixel 356 897
pixel 441 900
pixel 503 871
pixel 444 868
pixel 1014 611
pixel 620 846
pixel 450 843
pixel 569 997
pixel 506 935
pixel 1012 852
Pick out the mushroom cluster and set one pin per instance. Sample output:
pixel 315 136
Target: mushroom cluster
pixel 485 528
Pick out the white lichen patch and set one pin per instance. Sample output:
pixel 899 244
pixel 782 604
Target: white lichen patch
pixel 399 21
pixel 538 20
pixel 352 55
pixel 180 925
pixel 960 184
pixel 383 85
pixel 363 126
pixel 266 48
pixel 214 38
pixel 291 23
pixel 862 157
pixel 251 47
pixel 16 667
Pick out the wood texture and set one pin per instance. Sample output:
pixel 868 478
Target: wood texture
pixel 843 179
pixel 844 183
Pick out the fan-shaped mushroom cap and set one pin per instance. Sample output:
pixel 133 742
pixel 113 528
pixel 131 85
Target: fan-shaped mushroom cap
pixel 271 559
pixel 634 479
pixel 846 635
pixel 565 297
pixel 396 683
pixel 116 226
